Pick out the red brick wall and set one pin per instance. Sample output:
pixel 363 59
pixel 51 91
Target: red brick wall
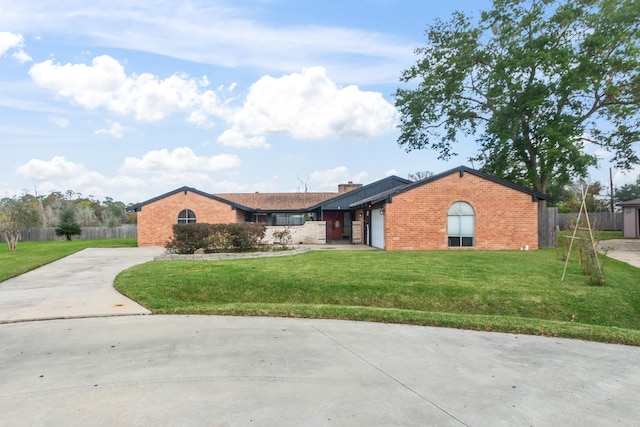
pixel 504 218
pixel 155 220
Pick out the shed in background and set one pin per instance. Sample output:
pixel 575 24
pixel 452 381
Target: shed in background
pixel 631 218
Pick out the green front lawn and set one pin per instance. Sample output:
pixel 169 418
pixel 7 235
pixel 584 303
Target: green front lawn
pixel 30 255
pixel 607 235
pixel 509 291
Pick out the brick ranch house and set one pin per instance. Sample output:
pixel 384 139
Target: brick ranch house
pixel 459 208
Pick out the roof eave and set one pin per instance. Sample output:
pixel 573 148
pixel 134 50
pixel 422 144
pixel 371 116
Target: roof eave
pixel 461 170
pixel 138 206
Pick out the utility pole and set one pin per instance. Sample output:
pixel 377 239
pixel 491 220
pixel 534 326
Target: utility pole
pixel 613 209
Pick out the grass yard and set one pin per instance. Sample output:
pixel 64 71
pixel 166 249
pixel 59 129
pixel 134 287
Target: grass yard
pixel 30 255
pixel 606 235
pixel 598 235
pixel 508 291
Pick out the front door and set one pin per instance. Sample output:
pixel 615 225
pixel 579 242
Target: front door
pixel 377 228
pixel 335 224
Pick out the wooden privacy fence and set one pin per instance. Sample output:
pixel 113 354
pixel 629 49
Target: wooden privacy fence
pixel 547 227
pixel 88 233
pixel 550 222
pixel 599 220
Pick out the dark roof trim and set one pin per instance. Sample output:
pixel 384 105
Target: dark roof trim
pixel 634 202
pixel 350 194
pixel 384 196
pixel 277 211
pixel 461 170
pixel 138 207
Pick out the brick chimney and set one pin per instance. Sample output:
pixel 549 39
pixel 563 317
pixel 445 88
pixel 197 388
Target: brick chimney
pixel 345 188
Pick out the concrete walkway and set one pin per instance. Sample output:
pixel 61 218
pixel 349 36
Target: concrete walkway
pixel 252 371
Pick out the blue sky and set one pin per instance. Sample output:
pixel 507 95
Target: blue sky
pixel 134 99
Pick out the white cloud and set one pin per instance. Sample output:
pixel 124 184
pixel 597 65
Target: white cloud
pixel 220 33
pixel 115 129
pixel 626 177
pixel 308 105
pixel 104 84
pixel 59 174
pixel 182 159
pixel 10 41
pixel 22 56
pixel 330 178
pixel 201 119
pixel 391 172
pixel 61 122
pixel 56 168
pixel 233 138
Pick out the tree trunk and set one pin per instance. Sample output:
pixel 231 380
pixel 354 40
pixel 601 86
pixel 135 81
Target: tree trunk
pixel 11 239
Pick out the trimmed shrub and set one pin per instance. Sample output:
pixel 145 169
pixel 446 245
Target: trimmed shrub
pixel 187 238
pixel 219 240
pixel 246 236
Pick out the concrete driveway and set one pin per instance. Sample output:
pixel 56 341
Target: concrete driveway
pixel 228 371
pixel 241 371
pixel 625 250
pixel 79 285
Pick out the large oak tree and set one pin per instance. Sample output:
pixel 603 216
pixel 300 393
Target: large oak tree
pixel 535 80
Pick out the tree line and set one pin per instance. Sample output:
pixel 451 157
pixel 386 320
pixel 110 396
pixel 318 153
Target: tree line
pixel 67 212
pixel 597 197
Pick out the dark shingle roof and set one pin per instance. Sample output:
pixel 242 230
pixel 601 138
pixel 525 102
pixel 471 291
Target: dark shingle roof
pixel 344 200
pixel 277 201
pixel 634 202
pixel 252 201
pixel 302 202
pixel 387 195
pixel 138 206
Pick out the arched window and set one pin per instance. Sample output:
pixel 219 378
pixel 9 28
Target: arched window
pixel 461 225
pixel 186 217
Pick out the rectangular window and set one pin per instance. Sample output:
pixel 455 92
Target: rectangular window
pixel 260 218
pixel 467 241
pixel 454 226
pixel 466 226
pixel 288 219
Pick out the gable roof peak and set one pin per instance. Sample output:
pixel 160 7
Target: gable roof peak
pixel 461 170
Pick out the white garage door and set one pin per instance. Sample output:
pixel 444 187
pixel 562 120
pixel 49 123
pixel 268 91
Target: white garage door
pixel 377 228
